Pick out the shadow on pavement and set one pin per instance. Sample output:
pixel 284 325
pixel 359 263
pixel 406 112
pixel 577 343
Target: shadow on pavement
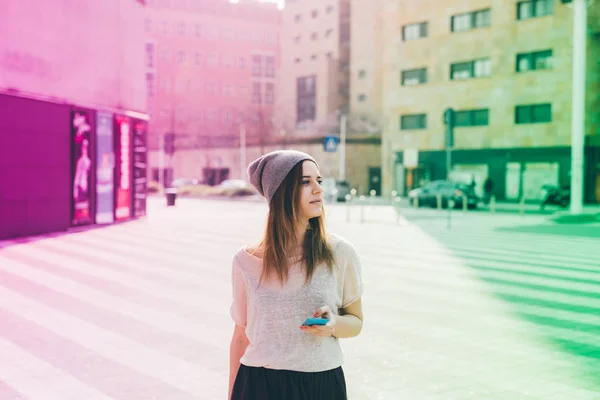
pixel 42 236
pixel 553 287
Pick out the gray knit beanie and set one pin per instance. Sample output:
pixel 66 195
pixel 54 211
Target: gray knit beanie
pixel 268 171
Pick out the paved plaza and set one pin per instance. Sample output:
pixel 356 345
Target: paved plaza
pixel 486 307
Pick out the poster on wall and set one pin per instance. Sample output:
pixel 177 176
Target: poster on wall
pixel 105 166
pixel 140 165
pixel 81 132
pixel 123 168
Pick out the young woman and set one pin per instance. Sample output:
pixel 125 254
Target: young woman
pixel 296 272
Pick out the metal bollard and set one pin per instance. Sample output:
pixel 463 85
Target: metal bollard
pixel 362 209
pixel 397 207
pixel 372 193
pixel 416 202
pixel 465 203
pixel 522 206
pixel 439 201
pixel 348 198
pixel 493 204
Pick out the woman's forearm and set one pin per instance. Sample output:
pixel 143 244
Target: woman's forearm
pixel 347 326
pixel 236 351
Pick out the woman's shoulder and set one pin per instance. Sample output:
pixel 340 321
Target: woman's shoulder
pixel 248 254
pixel 339 245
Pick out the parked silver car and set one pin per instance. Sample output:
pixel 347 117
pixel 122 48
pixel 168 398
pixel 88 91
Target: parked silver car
pixel 335 189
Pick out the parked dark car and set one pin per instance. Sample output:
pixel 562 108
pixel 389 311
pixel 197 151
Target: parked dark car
pixel 448 190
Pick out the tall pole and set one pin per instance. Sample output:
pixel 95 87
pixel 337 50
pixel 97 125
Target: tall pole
pixel 578 101
pixel 243 152
pixel 343 147
pixel 161 160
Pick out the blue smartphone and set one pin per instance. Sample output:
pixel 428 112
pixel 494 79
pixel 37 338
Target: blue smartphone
pixel 315 321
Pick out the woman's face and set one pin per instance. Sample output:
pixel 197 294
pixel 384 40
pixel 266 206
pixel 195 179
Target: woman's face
pixel 311 199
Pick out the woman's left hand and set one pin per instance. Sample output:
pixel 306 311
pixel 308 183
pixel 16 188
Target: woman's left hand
pixel 322 330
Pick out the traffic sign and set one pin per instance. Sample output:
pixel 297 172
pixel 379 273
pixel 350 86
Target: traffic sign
pixel 330 143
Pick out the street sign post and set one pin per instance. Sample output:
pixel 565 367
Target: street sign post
pixel 449 120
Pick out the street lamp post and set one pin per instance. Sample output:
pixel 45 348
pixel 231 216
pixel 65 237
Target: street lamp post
pixel 343 147
pixel 578 101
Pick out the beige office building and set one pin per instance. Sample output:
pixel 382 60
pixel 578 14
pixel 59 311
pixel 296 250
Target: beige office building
pixel 505 66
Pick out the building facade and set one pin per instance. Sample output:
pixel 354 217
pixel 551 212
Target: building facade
pixel 315 65
pixel 506 68
pixel 72 115
pixel 211 67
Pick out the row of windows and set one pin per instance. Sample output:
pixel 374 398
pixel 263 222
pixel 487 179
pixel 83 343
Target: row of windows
pixel 213 33
pixel 314 36
pixel 314 57
pixel 480 68
pixel 262 65
pixel 314 13
pixel 227 116
pixel 480 18
pixel 262 93
pixel 524 114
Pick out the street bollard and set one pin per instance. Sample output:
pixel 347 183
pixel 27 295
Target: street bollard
pixel 372 193
pixel 362 209
pixel 348 198
pixel 416 201
pixel 171 195
pixel 397 208
pixel 451 205
pixel 493 204
pixel 439 201
pixel 465 203
pixel 522 206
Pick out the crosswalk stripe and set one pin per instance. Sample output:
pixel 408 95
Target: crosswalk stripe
pixel 162 321
pixel 54 383
pixel 112 346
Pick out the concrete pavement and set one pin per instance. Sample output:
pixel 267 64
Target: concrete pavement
pixel 492 308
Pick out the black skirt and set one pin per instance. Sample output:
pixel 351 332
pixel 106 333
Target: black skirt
pixel 257 383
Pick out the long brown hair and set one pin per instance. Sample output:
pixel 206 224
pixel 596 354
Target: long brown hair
pixel 280 236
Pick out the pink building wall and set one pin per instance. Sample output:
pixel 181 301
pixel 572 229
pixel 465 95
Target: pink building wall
pixel 83 52
pixel 196 44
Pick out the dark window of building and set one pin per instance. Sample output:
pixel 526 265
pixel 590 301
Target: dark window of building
pixel 414 31
pixel 270 93
pixel 471 20
pixel 413 121
pixel 534 8
pixel 256 95
pixel 414 77
pixel 534 60
pixel 150 55
pixel 256 65
pixel 534 113
pixel 362 98
pixel 472 118
pixel 270 66
pixel 306 98
pixel 471 69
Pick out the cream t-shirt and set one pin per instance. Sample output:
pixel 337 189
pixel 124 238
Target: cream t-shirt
pixel 272 314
